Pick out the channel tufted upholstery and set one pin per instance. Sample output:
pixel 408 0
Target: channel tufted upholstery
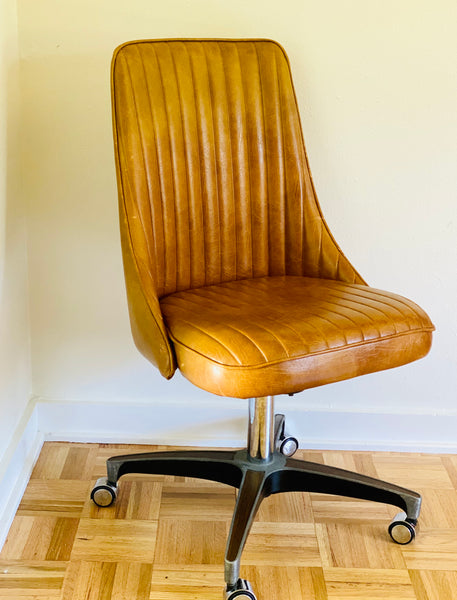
pixel 232 274
pixel 266 335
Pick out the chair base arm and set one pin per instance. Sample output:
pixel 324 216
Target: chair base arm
pixel 256 480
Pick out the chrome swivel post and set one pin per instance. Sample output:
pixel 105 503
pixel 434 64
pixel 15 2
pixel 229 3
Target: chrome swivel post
pixel 261 440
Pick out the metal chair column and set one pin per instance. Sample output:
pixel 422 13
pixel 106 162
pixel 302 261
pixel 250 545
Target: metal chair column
pixel 260 450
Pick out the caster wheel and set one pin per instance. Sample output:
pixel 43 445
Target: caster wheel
pixel 288 446
pixel 241 595
pixel 284 443
pixel 104 493
pixel 242 591
pixel 401 530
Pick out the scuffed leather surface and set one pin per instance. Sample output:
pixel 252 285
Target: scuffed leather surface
pixel 250 331
pixel 214 188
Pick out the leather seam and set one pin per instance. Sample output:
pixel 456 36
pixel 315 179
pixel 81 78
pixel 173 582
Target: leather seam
pixel 301 357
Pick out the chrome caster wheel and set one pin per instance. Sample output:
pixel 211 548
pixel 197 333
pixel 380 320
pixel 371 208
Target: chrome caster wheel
pixel 285 444
pixel 288 446
pixel 103 493
pixel 242 591
pixel 402 530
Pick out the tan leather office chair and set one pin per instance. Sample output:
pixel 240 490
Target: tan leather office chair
pixel 232 274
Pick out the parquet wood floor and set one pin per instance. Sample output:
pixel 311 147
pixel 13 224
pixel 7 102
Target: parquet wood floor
pixel 164 539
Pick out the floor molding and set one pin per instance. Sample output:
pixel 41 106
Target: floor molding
pixel 176 422
pixel 16 466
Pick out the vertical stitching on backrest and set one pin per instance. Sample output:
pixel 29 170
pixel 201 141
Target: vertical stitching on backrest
pixel 197 119
pixel 153 222
pixel 288 239
pixel 283 191
pixel 231 161
pixel 248 187
pixel 186 169
pixel 172 168
pixel 265 159
pixel 215 163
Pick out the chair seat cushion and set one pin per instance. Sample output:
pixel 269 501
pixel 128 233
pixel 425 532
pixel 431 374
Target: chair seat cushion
pixel 279 335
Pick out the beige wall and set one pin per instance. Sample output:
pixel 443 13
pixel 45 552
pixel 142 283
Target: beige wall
pixel 377 89
pixel 14 326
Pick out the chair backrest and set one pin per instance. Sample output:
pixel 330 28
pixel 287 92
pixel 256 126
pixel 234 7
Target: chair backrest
pixel 213 178
pixel 213 162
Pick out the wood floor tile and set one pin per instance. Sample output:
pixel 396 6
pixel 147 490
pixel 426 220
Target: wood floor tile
pixel 40 538
pixel 434 585
pixel 115 540
pixel 341 460
pixel 361 462
pixel 186 594
pixel 439 509
pixel 80 461
pixel 364 464
pixel 418 472
pixel 372 584
pixel 32 579
pixel 279 544
pixel 287 583
pixel 286 508
pixel 434 549
pixel 51 461
pixel 184 542
pixel 357 546
pixel 450 464
pixel 100 580
pixel 185 501
pixel 316 456
pixel 330 509
pixel 54 498
pixel 187 583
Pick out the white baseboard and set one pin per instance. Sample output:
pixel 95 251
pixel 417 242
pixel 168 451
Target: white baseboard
pixel 222 423
pixel 16 467
pixel 171 421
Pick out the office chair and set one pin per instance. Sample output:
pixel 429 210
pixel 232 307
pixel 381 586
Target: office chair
pixel 232 274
